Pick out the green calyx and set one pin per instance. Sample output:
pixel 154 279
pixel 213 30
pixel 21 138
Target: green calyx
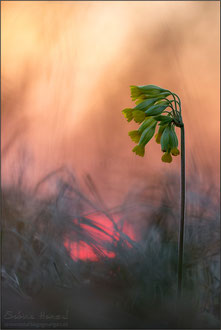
pixel 156 109
pixel 147 134
pixel 147 122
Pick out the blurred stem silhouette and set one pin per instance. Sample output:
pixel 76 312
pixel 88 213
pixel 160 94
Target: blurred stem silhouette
pixel 182 213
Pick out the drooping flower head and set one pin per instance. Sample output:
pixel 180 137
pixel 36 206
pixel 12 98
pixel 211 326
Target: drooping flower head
pixel 155 107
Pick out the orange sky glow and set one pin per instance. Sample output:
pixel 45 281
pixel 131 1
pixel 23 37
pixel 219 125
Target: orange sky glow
pixel 66 72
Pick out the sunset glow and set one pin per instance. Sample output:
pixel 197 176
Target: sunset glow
pixel 81 250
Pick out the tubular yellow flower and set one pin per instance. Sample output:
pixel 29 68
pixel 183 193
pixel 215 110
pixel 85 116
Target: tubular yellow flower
pixel 166 158
pixel 135 136
pixel 175 152
pixel 138 115
pixel 135 92
pixel 139 150
pixel 147 90
pixel 128 114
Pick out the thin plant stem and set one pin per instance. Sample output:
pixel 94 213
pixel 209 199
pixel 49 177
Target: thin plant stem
pixel 182 214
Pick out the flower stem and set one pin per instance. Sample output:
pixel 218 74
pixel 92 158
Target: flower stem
pixel 182 214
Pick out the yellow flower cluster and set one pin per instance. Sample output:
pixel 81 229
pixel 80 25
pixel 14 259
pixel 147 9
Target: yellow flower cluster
pixel 150 110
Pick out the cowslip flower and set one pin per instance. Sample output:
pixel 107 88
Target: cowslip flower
pixel 154 107
pixel 148 91
pixel 145 137
pixel 167 158
pixel 135 136
pixel 128 114
pixel 139 150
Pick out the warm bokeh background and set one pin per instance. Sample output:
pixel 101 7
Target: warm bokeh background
pixel 66 71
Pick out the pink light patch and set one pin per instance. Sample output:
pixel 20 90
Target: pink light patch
pixel 81 250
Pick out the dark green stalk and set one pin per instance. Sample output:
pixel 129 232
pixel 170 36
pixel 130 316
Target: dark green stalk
pixel 182 214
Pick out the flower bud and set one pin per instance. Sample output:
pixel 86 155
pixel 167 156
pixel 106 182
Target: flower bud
pixel 145 104
pixel 165 139
pixel 156 110
pixel 173 141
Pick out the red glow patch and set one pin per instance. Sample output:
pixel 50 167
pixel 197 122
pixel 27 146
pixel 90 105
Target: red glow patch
pixel 103 231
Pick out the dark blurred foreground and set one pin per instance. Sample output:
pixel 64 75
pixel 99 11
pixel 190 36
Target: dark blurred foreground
pixel 43 287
